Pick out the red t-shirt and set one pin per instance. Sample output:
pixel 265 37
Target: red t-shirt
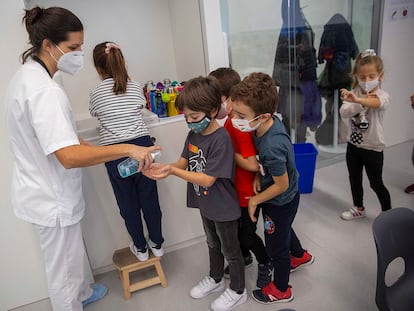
pixel 243 144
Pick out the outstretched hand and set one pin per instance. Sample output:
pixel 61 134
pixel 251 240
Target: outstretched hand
pixel 157 171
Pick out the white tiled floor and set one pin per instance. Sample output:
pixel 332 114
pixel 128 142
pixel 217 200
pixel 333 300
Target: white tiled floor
pixel 342 278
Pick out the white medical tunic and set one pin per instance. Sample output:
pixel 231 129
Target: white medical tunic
pixel 40 121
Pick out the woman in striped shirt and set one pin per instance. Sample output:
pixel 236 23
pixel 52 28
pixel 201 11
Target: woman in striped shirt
pixel 117 102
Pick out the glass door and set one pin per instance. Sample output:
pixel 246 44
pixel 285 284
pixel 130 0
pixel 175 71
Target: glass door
pixel 308 48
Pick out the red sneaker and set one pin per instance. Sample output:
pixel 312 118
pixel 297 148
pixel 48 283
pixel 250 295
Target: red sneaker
pixel 296 263
pixel 270 294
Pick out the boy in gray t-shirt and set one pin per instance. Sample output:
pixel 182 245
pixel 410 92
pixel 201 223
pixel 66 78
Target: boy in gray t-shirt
pixel 212 155
pixel 207 164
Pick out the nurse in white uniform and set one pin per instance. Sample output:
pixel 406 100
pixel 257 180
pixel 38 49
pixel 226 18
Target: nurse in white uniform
pixel 47 186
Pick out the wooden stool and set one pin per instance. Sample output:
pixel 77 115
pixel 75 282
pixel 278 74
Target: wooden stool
pixel 126 262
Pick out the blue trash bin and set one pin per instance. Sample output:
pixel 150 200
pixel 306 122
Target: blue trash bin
pixel 305 159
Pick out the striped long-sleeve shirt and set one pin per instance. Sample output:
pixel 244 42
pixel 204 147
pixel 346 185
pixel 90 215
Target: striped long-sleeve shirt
pixel 120 116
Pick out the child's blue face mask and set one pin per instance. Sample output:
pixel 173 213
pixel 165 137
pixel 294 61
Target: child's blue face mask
pixel 199 126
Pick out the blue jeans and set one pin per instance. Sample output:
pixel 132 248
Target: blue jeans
pixel 137 194
pixel 280 239
pixel 223 243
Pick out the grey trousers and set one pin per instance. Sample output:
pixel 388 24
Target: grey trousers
pixel 223 242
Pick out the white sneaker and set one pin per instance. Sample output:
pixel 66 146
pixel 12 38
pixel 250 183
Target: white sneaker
pixel 142 256
pixel 229 300
pixel 205 287
pixel 353 213
pixel 156 249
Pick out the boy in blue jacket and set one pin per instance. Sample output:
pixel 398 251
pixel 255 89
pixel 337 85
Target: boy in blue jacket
pixel 254 102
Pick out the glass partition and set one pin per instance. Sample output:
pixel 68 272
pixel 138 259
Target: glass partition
pixel 308 47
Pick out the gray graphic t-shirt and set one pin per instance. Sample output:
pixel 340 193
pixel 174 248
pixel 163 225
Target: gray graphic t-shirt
pixel 212 154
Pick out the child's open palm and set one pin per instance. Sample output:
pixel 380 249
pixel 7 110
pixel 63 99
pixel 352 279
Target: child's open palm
pixel 157 171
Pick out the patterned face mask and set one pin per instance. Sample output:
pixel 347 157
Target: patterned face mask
pixel 199 126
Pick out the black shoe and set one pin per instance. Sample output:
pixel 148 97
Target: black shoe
pixel 264 274
pixel 248 262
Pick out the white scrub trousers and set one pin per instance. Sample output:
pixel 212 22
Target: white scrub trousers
pixel 63 253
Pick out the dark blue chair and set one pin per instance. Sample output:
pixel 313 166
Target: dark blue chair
pixel 394 237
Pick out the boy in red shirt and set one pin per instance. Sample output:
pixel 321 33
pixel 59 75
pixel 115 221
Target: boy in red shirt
pixel 246 168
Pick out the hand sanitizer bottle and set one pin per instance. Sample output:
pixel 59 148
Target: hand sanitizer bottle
pixel 129 166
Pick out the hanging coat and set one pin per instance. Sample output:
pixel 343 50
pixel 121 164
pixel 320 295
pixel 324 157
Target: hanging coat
pixel 295 62
pixel 336 48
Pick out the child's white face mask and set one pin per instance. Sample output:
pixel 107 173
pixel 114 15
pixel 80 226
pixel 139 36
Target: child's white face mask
pixel 368 86
pixel 243 125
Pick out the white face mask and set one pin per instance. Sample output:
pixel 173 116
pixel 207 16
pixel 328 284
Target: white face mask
pixel 70 62
pixel 224 110
pixel 368 86
pixel 243 125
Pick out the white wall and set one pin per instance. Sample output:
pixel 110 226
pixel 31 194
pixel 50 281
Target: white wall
pixel 187 38
pixel 143 30
pixel 397 51
pixel 156 40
